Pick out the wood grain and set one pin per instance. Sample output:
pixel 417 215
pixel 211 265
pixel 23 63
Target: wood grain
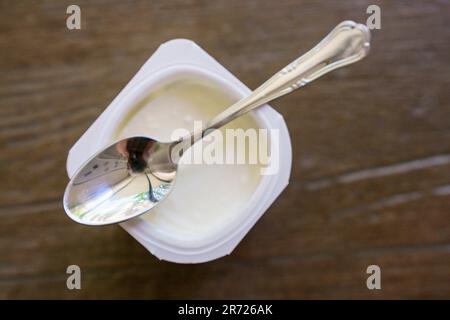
pixel 370 181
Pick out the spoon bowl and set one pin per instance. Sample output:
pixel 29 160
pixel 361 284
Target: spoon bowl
pixel 125 180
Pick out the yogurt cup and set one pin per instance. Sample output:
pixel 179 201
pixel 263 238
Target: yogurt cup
pixel 182 61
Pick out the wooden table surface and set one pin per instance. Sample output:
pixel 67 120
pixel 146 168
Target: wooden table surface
pixel 370 181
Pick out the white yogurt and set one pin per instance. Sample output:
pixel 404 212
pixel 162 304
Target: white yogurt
pixel 205 198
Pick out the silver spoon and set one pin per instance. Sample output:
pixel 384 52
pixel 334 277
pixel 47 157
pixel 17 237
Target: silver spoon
pixel 133 175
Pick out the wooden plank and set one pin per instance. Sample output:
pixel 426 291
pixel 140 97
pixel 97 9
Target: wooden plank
pixel 371 173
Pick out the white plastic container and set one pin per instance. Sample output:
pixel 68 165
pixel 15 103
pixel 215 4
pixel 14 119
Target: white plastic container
pixel 175 59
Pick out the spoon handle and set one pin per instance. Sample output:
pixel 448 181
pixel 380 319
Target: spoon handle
pixel 347 43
